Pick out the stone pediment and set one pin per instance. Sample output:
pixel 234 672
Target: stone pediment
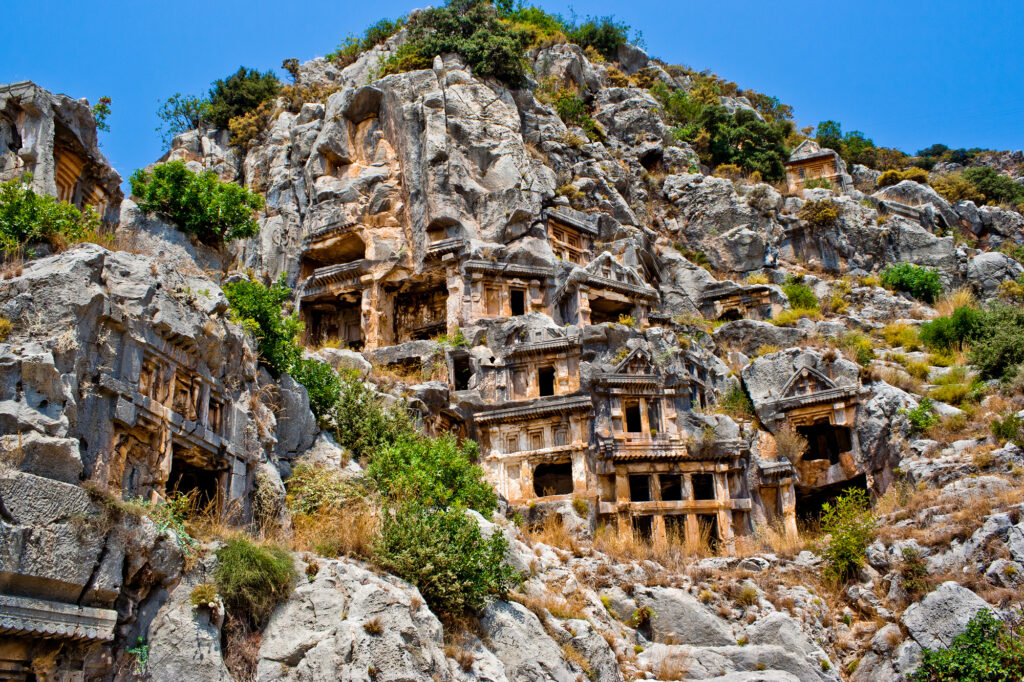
pixel 806 381
pixel 606 267
pixel 637 363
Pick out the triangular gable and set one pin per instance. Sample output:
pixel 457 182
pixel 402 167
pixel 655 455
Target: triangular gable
pixel 805 148
pixel 637 362
pixel 807 378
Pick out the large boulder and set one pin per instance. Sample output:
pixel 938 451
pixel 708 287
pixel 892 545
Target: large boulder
pixel 747 336
pixel 943 614
pixel 347 620
pixel 518 639
pixel 678 617
pixel 986 271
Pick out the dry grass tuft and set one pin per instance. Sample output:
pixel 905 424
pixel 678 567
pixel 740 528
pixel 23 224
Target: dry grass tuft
pixel 955 299
pixel 673 666
pixel 349 530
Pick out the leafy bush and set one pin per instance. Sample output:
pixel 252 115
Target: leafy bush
pixel 820 213
pixel 27 217
pixel 252 580
pixel 920 282
pixel 314 486
pixel 737 403
pixel 181 113
pixel 998 351
pixel 604 34
pixel 988 651
pixel 850 525
pixel 472 29
pixel 362 423
pixel 437 472
pixel 321 383
pixel 1010 428
pixel 442 553
pixel 954 187
pixel 922 417
pixel 202 205
pixel 892 177
pixel 995 187
pixel 953 331
pixel 799 294
pixel 258 308
pixel 374 35
pixel 240 93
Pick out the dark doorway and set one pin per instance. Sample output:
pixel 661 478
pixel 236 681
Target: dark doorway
pixel 671 487
pixel 643 526
pixel 463 372
pixel 552 479
pixel 703 486
pixel 546 380
pixel 188 479
pixel 517 301
pixel 708 524
pixel 653 417
pixel 633 422
pixel 810 500
pixel 605 310
pixel 825 441
pixel 640 488
pixel 730 314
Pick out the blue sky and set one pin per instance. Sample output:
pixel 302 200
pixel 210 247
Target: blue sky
pixel 908 74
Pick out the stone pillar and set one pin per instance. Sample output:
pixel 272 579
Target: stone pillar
pixel 658 533
pixel 455 313
pixel 583 305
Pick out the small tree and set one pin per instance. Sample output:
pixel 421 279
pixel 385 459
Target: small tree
pixel 100 112
pixel 240 93
pixel 363 423
pixel 214 211
pixel 181 113
pixel 850 526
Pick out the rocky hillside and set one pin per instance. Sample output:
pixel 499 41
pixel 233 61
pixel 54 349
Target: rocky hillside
pixel 493 375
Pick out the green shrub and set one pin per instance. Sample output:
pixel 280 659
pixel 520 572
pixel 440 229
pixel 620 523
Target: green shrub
pixel 859 346
pixel 442 553
pixel 604 34
pixel 892 177
pixel 913 573
pixel 202 205
pixel 258 308
pixel 850 525
pixel 995 187
pixel 321 382
pixel 374 35
pixel 799 294
pixel 920 282
pixel 922 417
pixel 181 113
pixel 737 403
pixel 997 351
pixel 1010 428
pixel 472 29
pixel 240 93
pixel 953 331
pixel 204 594
pixel 361 421
pixel 788 317
pixel 988 651
pixel 253 579
pixel 819 183
pixel 820 213
pixel 27 217
pixel 313 486
pixel 954 187
pixel 437 472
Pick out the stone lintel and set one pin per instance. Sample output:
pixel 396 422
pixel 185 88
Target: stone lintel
pixel 24 616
